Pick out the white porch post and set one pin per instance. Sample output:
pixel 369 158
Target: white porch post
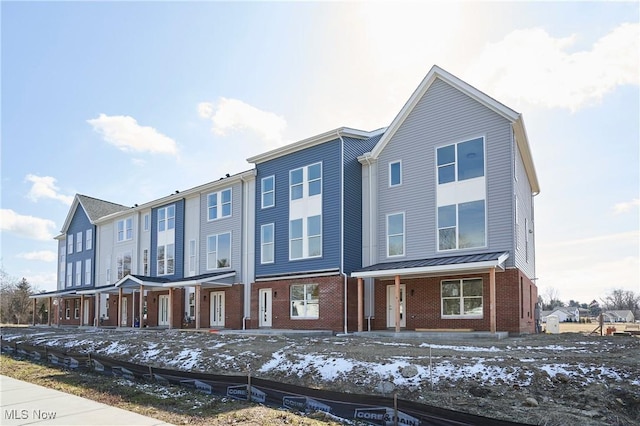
pixel 141 320
pixel 197 307
pixel 360 306
pixel 397 288
pixel 49 313
pixel 96 316
pixel 119 307
pixel 81 310
pixel 492 300
pixel 170 307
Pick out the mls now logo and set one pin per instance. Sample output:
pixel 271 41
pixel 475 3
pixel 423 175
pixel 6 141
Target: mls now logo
pixel 302 403
pixel 240 392
pixel 384 416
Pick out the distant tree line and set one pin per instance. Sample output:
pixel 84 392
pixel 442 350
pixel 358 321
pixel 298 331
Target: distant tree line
pixel 15 305
pixel 616 300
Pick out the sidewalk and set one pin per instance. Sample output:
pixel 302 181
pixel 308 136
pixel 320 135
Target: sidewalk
pixel 24 403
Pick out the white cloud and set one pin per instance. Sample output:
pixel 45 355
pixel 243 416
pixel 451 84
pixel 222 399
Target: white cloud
pixel 26 226
pixel 232 114
pixel 532 66
pixel 44 255
pixel 626 207
pixel 45 187
pixel 126 134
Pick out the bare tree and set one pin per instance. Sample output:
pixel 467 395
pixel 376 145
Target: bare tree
pixel 551 298
pixel 622 300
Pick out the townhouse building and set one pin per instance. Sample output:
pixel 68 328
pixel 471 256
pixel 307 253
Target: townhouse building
pixel 427 224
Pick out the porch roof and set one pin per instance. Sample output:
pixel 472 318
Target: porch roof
pixel 434 265
pixel 55 293
pixel 213 279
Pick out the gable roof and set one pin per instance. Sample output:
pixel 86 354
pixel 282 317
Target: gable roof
pixel 438 73
pixel 94 208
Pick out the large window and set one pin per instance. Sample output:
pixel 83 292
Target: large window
pixel 461 161
pixel 395 173
pixel 305 181
pixel 88 245
pixel 69 243
pixel 123 264
pixel 462 298
pixel 78 272
pixel 76 308
pixel 87 271
pixel 192 304
pixel 219 251
pixel 69 274
pixel 166 218
pixel 268 188
pixel 395 234
pixel 305 301
pixel 125 229
pixel 461 226
pixel 79 242
pixel 267 243
pixel 166 259
pixel 192 257
pixel 305 237
pixel 219 204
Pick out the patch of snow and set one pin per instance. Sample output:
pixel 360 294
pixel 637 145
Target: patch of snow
pixel 461 348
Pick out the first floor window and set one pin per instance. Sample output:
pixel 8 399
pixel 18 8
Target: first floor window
pixel 76 308
pixel 395 234
pixel 462 298
pixel 106 308
pixel 192 305
pixel 145 262
pixel 461 225
pixel 87 271
pixel 123 262
pixel 166 258
pixel 266 243
pixel 219 251
pixel 305 300
pixel 79 272
pixel 67 310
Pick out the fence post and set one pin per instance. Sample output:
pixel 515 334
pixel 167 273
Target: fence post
pixel 395 409
pixel 248 383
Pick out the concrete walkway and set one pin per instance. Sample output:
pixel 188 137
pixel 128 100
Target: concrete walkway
pixel 23 403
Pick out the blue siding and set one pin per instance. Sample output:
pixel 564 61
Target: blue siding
pixel 178 271
pixel 329 154
pixel 80 223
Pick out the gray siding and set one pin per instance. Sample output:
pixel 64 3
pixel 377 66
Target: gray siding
pixel 525 215
pixel 444 116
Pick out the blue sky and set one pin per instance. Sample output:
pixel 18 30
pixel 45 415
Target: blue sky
pixel 130 101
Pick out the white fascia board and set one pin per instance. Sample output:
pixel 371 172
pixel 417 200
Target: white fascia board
pixel 72 211
pixel 462 267
pixel 128 277
pixel 210 280
pixel 299 276
pixel 525 151
pixel 310 142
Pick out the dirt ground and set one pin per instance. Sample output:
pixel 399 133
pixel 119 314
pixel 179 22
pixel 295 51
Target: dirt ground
pixel 562 379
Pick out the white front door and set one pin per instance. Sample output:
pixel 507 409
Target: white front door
pixel 85 320
pixel 391 306
pixel 216 303
pixel 163 309
pixel 265 308
pixel 124 312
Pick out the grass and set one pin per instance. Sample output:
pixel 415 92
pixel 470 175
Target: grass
pixel 171 404
pixel 576 327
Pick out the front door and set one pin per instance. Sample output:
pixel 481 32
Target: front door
pixel 216 301
pixel 265 307
pixel 163 309
pixel 85 319
pixel 391 306
pixel 124 312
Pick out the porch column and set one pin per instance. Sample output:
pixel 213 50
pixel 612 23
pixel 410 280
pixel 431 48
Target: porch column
pixel 49 313
pixel 96 316
pixel 141 321
pixel 58 311
pixel 35 305
pixel 170 307
pixel 360 306
pixel 492 299
pixel 397 281
pixel 133 308
pixel 81 310
pixel 119 307
pixel 197 307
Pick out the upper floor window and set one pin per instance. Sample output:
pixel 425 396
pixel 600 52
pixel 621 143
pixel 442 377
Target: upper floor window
pixel 123 263
pixel 192 257
pixel 461 225
pixel 166 259
pixel 87 271
pixel 267 243
pixel 305 237
pixel 146 222
pixel 79 242
pixel 462 298
pixel 145 262
pixel 69 243
pixel 125 229
pixel 395 234
pixel 79 272
pixel 88 245
pixel 219 251
pixel 395 173
pixel 166 218
pixel 219 204
pixel 305 181
pixel 69 274
pixel 268 188
pixel 461 161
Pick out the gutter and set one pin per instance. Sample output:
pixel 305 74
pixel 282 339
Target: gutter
pixel 342 227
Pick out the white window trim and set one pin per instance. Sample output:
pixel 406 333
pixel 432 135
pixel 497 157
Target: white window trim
pixel 305 181
pixel 165 260
pixel 193 256
pixel 209 268
pixel 461 297
pixel 87 271
pixel 166 218
pixel 69 271
pixel 78 273
pixel 70 244
pixel 88 244
pixel 122 256
pixel 263 192
pixel 300 317
pixel 456 162
pixel 305 238
pixel 404 234
pixel 78 242
pixel 145 262
pixel 146 222
pixel 125 228
pixel 457 227
pixel 391 163
pixel 219 205
pixel 263 244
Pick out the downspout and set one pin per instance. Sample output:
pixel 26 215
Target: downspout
pixel 368 158
pixel 245 267
pixel 342 228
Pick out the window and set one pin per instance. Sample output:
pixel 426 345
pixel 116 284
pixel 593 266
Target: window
pixel 268 188
pixel 88 245
pixel 460 161
pixel 166 259
pixel 305 301
pixel 123 263
pixel 79 272
pixel 219 204
pixel 192 305
pixel 69 274
pixel 517 224
pixel 70 244
pixel 395 173
pixel 145 262
pixel 76 308
pixel 67 310
pixel 79 242
pixel 314 232
pixel 146 222
pixel 125 229
pixel 106 307
pixel 295 239
pixel 219 251
pixel 462 298
pixel 166 218
pixel 395 234
pixel 461 226
pixel 267 243
pixel 61 269
pixel 192 257
pixel 87 271
pixel 305 181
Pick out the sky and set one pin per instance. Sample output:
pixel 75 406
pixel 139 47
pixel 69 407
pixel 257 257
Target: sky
pixel 130 101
